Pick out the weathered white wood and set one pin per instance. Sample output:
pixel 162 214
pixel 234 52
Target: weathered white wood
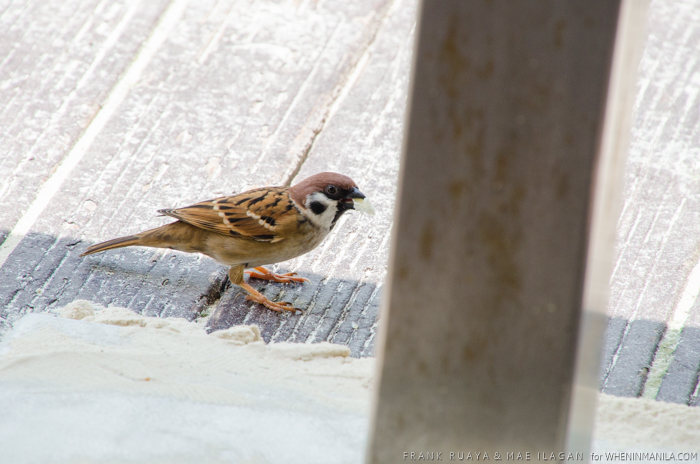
pixel 58 61
pixel 234 98
pixel 660 223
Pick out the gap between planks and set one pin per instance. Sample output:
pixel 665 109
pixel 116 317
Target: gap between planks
pixel 672 336
pixel 338 95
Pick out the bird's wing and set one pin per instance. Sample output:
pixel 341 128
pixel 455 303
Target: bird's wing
pixel 265 214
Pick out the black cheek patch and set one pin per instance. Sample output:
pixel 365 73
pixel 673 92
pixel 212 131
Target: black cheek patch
pixel 317 207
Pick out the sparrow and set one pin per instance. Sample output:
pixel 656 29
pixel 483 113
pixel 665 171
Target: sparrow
pixel 254 228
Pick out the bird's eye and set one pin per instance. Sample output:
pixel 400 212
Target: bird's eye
pixel 331 189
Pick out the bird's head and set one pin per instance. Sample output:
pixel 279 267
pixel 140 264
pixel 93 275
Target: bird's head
pixel 327 195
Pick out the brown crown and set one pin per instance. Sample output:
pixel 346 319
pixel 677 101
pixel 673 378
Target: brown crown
pixel 318 183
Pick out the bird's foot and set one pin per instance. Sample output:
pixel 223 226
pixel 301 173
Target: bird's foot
pixel 265 274
pixel 256 296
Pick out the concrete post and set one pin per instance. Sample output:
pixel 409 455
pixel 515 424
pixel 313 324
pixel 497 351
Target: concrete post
pixel 511 173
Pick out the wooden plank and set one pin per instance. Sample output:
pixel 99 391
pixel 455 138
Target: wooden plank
pixel 361 138
pixel 233 98
pixel 626 374
pixel 680 384
pixel 658 228
pixel 58 61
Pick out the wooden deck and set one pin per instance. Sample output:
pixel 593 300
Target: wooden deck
pixel 127 107
pixel 653 340
pixel 111 110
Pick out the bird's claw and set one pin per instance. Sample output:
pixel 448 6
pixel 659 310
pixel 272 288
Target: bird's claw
pixel 279 307
pixel 265 274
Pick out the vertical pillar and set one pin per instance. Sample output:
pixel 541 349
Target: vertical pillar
pixel 506 179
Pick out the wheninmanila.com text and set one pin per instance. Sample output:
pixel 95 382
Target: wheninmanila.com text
pixel 544 456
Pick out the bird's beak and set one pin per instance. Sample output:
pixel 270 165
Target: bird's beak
pixel 348 202
pixel 357 200
pixel 355 193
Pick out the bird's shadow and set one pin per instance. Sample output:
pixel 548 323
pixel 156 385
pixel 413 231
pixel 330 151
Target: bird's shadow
pixel 331 309
pixel 46 272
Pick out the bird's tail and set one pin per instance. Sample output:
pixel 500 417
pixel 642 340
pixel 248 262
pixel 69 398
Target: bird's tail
pixel 116 243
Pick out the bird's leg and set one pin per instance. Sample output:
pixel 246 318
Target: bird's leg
pixel 265 274
pixel 235 274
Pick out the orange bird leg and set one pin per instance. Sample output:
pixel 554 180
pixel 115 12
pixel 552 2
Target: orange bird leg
pixel 265 274
pixel 258 297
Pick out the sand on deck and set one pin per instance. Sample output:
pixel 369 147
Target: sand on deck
pixel 106 384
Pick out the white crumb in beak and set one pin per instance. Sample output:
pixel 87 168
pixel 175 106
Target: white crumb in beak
pixel 363 205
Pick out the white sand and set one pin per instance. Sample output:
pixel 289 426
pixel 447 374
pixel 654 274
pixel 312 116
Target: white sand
pixel 638 424
pixel 162 390
pixel 140 389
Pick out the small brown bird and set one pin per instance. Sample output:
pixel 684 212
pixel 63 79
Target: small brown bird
pixel 261 226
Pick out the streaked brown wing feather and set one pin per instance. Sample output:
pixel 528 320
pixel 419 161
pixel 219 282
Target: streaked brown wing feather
pixel 266 214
